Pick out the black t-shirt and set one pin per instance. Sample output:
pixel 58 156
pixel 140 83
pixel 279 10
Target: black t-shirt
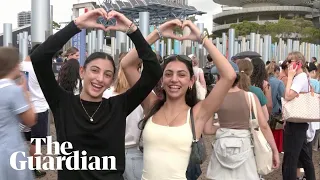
pixel 105 135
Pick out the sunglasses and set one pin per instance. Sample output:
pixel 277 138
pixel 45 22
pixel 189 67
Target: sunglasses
pixel 179 57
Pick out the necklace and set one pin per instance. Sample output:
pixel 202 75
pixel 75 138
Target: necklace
pixel 90 117
pixel 168 124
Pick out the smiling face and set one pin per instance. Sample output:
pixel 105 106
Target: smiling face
pixel 97 76
pixel 177 79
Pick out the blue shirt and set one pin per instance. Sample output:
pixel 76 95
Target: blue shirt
pixel 277 91
pixel 315 85
pixel 12 103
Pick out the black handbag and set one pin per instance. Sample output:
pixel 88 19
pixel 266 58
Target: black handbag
pixel 198 150
pixel 276 121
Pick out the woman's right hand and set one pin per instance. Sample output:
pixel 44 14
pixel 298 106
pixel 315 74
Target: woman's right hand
pixel 275 160
pixel 167 29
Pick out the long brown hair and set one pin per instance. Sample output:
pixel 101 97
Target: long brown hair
pixel 121 84
pixel 245 71
pixel 272 68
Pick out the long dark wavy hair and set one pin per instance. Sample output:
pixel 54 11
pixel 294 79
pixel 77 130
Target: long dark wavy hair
pixel 259 73
pixel 190 97
pixel 69 76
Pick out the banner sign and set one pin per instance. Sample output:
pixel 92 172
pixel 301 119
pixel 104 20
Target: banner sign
pixel 79 42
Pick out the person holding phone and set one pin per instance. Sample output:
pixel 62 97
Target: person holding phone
pixel 295 146
pixel 15 107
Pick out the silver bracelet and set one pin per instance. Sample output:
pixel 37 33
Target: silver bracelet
pixel 159 33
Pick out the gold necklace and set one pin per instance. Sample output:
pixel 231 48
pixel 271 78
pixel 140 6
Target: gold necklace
pixel 168 124
pixel 90 117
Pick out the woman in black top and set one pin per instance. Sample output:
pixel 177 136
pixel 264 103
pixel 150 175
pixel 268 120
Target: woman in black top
pixel 88 121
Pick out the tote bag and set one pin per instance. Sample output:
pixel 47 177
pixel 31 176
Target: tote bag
pixel 302 109
pixel 261 148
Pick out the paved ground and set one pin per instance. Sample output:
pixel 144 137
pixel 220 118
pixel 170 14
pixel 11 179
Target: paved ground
pixel 276 175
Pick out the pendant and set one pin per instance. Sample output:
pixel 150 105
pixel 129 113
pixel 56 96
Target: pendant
pixel 91 119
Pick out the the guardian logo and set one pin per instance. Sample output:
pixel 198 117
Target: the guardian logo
pixel 72 159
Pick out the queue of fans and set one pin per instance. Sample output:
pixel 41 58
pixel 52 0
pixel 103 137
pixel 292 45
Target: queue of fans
pixel 150 113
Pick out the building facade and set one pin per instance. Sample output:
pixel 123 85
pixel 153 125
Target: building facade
pixel 184 2
pixel 24 18
pixel 260 11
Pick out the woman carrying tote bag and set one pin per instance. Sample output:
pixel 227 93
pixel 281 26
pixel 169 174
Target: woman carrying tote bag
pixel 295 141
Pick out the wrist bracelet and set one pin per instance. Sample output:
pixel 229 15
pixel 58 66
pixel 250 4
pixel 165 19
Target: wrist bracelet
pixel 202 37
pixel 159 33
pixel 129 28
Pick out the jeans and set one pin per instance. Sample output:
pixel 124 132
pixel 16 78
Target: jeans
pixel 296 149
pixel 134 164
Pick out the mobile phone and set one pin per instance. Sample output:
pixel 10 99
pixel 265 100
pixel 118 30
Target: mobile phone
pixel 297 65
pixel 26 75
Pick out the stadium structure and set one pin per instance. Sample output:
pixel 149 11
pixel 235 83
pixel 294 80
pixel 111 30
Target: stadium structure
pixel 261 11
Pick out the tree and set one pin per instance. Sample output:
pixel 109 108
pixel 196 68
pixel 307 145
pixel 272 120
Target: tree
pixel 55 25
pixel 296 29
pixel 244 28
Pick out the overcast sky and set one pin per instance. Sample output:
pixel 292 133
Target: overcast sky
pixel 62 10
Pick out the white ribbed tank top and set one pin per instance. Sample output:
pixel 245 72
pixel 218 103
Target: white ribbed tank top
pixel 166 151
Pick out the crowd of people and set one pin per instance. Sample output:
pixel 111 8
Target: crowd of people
pixel 147 111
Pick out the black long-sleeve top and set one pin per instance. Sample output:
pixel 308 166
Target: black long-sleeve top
pixel 105 136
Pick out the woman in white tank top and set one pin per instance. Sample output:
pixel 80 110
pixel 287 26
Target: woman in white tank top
pixel 167 135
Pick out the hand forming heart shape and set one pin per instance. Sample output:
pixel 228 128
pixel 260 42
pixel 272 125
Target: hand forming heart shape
pixel 167 30
pixel 89 20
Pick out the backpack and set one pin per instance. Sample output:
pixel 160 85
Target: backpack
pixel 208 77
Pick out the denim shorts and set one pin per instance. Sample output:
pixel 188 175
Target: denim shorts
pixel 134 164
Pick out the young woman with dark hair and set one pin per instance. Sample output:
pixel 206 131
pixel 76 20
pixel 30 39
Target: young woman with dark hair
pixel 69 77
pixel 167 134
pixel 259 78
pixel 90 122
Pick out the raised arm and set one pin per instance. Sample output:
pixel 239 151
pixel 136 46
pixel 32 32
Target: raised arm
pixel 130 62
pixel 151 73
pixel 206 108
pixel 42 56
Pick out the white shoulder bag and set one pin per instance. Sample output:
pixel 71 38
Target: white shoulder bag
pixel 262 150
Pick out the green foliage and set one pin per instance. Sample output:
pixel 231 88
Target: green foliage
pixel 296 28
pixel 55 25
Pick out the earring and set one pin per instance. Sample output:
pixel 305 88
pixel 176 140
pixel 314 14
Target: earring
pixel 161 86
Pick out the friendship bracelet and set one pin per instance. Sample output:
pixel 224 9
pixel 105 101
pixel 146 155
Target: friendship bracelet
pixel 129 28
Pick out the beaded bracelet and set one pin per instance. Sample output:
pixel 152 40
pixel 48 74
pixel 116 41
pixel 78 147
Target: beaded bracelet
pixel 159 33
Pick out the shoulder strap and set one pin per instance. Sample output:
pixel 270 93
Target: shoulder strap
pixel 254 106
pixel 192 126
